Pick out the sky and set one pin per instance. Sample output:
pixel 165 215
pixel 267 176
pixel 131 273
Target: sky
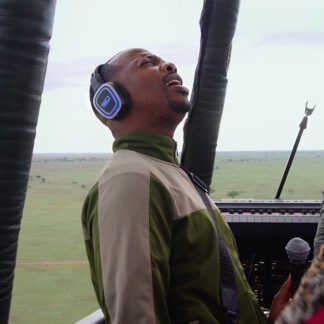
pixel 277 65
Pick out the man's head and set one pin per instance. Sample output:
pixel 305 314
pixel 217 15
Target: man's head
pixel 158 99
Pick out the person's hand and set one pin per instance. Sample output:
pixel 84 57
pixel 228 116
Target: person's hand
pixel 280 300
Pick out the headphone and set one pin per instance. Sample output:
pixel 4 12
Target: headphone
pixel 110 99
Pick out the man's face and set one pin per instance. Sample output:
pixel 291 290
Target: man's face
pixel 152 83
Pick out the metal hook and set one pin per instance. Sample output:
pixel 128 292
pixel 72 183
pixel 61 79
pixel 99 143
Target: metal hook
pixel 309 110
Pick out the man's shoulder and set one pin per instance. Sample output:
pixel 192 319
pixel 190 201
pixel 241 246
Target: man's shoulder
pixel 125 163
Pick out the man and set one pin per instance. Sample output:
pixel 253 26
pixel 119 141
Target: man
pixel 151 243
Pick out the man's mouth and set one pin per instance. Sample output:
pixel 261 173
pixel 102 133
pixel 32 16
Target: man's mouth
pixel 174 80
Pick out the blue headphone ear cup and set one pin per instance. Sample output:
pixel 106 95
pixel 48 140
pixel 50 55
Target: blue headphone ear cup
pixel 124 98
pixel 111 101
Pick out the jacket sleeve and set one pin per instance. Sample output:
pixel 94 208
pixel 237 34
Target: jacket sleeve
pixel 135 220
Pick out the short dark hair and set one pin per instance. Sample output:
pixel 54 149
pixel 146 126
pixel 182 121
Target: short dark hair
pixel 107 73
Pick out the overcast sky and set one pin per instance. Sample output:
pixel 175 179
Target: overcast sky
pixel 277 65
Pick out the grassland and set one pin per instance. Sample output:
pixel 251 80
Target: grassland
pixel 52 281
pixel 258 174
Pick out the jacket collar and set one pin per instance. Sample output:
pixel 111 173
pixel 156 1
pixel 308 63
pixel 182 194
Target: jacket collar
pixel 154 145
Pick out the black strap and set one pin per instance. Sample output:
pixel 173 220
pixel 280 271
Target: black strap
pixel 227 276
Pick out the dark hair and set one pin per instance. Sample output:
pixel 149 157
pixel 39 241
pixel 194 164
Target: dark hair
pixel 107 73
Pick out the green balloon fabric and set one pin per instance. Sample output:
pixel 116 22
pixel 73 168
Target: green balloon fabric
pixel 217 24
pixel 25 31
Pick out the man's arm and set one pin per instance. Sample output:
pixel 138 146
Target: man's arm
pixel 134 220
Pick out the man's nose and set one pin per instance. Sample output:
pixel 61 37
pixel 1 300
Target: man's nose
pixel 168 67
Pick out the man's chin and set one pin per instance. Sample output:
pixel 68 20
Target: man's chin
pixel 182 107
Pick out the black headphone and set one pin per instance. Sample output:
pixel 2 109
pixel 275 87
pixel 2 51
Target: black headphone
pixel 110 99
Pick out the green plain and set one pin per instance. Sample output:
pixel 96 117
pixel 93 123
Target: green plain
pixel 52 281
pixel 258 175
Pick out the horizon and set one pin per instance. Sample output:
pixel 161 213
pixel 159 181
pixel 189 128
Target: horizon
pixel 222 151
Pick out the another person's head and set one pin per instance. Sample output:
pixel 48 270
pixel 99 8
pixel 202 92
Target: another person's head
pixel 158 101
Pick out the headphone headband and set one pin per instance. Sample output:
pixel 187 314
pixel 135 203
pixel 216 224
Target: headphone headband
pixel 96 79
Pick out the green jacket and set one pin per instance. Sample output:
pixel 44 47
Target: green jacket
pixel 151 244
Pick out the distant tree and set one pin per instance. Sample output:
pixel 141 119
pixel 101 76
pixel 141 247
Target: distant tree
pixel 233 193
